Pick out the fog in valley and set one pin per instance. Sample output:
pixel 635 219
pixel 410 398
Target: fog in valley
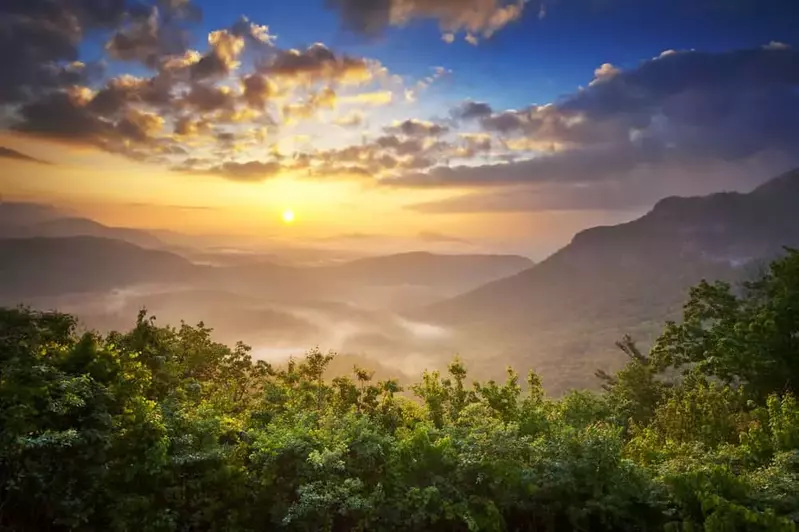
pixel 279 301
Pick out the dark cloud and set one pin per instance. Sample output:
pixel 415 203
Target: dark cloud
pixel 121 92
pixel 582 166
pixel 473 145
pixel 258 89
pixel 253 34
pixel 634 191
pixel 317 63
pixel 222 58
pixel 400 146
pixel 739 102
pixel 208 98
pixel 417 128
pixel 682 110
pixel 249 172
pixel 384 156
pixel 65 118
pixel 172 108
pixel 470 110
pixel 476 17
pixel 40 39
pixel 60 117
pixel 139 126
pixel 8 153
pixel 147 37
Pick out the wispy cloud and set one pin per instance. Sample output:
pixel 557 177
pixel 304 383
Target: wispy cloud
pixel 8 153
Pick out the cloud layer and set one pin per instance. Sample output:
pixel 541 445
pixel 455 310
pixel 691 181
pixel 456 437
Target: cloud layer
pixel 475 17
pixel 679 122
pixel 679 111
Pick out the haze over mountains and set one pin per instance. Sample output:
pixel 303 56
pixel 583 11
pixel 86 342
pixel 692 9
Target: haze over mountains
pixel 560 316
pixel 276 302
pixel 566 312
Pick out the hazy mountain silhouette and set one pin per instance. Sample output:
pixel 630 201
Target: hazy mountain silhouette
pixel 73 226
pixel 428 269
pixel 16 214
pixel 52 266
pixel 48 266
pixel 564 313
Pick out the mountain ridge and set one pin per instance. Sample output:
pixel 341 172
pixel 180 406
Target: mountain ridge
pixel 611 280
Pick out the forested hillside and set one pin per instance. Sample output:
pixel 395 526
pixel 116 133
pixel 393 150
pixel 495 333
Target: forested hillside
pixel 164 429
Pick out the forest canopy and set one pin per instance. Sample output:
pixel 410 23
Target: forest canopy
pixel 162 428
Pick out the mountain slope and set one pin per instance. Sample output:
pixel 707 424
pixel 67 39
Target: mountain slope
pixel 428 269
pixel 15 214
pixel 564 313
pixel 70 227
pixel 63 227
pixel 48 266
pixel 71 264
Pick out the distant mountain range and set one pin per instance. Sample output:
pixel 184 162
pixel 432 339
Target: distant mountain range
pixel 560 316
pixel 41 266
pixel 51 266
pixel 563 315
pixel 28 220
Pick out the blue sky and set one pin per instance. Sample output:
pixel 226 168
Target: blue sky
pixel 533 60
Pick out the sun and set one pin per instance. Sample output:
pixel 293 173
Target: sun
pixel 288 216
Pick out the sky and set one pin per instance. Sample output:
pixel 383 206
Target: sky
pixel 485 125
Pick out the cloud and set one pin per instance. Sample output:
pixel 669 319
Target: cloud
pixel 258 89
pixel 61 117
pixel 353 119
pixel 643 129
pixel 222 58
pixel 476 17
pixel 316 101
pixel 585 165
pixel 776 45
pixel 374 98
pixel 181 104
pixel 187 126
pixel 381 156
pixel 9 153
pixel 147 35
pixel 241 172
pixel 416 128
pixel 318 63
pixel 66 118
pixel 473 145
pixel 470 110
pixel 634 191
pixel 433 236
pixel 206 98
pixel 40 42
pixel 140 125
pixel 604 72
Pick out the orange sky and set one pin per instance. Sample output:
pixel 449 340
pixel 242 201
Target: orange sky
pixel 119 192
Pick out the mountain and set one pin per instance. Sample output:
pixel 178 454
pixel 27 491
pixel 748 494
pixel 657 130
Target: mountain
pixel 15 214
pixel 73 226
pixel 73 264
pixel 563 315
pixel 387 282
pixel 62 227
pixel 49 266
pixel 428 269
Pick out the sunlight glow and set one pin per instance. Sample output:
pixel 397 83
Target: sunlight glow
pixel 288 216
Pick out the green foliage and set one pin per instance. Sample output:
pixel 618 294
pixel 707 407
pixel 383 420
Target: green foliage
pixel 164 429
